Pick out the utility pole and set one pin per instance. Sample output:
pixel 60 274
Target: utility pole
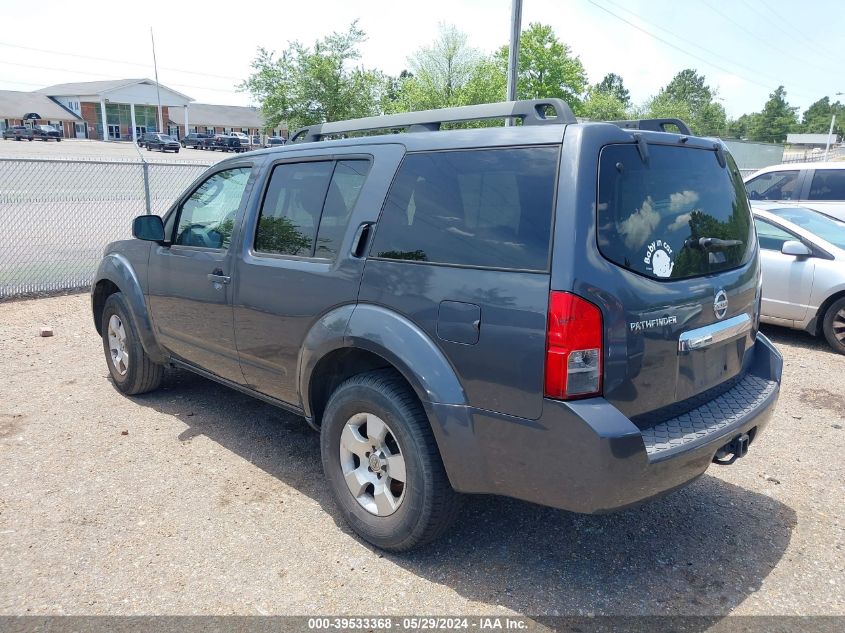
pixel 158 93
pixel 513 51
pixel 829 134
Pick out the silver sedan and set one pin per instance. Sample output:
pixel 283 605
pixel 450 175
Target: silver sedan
pixel 803 256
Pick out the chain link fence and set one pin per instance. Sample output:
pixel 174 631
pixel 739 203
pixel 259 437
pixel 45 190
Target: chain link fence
pixel 58 215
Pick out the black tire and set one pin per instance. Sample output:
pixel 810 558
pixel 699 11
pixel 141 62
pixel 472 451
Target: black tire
pixel 142 374
pixel 429 505
pixel 834 323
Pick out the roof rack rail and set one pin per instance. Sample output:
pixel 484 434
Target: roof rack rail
pixel 654 125
pixel 530 112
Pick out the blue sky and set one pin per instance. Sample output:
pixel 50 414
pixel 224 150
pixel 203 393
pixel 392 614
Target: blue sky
pixel 746 48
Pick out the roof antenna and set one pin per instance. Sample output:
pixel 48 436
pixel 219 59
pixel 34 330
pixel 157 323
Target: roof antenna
pixel 158 94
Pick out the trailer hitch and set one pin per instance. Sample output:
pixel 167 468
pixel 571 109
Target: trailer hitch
pixel 736 448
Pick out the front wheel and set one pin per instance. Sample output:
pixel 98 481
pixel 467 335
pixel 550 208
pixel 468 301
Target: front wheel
pixel 131 369
pixel 834 325
pixel 382 463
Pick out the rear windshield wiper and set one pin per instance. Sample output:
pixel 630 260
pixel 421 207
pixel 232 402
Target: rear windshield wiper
pixel 711 243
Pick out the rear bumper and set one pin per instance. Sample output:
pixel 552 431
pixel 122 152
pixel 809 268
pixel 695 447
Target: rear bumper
pixel 586 456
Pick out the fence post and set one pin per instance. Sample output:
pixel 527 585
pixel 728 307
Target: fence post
pixel 147 199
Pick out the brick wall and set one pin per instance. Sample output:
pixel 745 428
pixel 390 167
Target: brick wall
pixel 89 114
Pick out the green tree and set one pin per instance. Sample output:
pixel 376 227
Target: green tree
pixel 742 126
pixel 547 67
pixel 689 98
pixel 612 85
pixel 776 120
pixel 816 119
pixel 306 85
pixel 603 106
pixel 439 73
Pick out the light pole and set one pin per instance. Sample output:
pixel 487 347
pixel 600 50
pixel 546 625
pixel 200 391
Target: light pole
pixel 513 52
pixel 830 131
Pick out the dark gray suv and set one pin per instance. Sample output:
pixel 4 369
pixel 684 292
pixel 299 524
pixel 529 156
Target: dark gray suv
pixel 561 312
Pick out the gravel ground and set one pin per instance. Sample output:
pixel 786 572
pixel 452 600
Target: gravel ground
pixel 199 500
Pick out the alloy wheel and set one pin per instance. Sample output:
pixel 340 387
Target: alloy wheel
pixel 117 345
pixel 373 464
pixel 839 326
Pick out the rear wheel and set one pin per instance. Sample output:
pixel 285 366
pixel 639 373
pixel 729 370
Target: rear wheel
pixel 131 369
pixel 834 325
pixel 382 463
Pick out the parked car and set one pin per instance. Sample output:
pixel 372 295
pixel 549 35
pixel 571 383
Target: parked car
pixel 194 139
pixel 456 314
pixel 18 132
pixel 274 141
pixel 803 256
pixel 255 141
pixel 819 186
pixel 46 133
pixel 243 138
pixel 224 142
pixel 161 142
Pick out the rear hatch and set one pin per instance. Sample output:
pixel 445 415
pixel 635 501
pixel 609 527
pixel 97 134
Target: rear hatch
pixel 679 256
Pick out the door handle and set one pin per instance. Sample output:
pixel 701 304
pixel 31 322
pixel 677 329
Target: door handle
pixel 360 239
pixel 219 279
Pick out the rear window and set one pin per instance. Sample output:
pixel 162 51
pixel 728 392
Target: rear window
pixel 487 208
pixel 653 214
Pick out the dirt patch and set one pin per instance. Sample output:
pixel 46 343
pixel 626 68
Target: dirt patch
pixel 823 398
pixel 11 424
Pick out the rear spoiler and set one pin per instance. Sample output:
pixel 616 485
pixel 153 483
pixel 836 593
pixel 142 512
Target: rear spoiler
pixel 654 125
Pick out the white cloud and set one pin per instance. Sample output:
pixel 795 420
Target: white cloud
pixel 680 222
pixel 639 227
pixel 682 199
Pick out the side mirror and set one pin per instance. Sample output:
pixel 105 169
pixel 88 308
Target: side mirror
pixel 796 248
pixel 149 228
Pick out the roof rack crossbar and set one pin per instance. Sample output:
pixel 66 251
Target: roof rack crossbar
pixel 654 125
pixel 530 112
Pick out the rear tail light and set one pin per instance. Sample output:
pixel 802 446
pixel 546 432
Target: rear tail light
pixel 573 347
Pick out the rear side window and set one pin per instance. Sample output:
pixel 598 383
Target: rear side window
pixel 828 184
pixel 774 185
pixel 307 206
pixel 653 214
pixel 490 208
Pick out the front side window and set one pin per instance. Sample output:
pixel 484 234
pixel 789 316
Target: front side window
pixel 828 184
pixel 488 208
pixel 826 227
pixel 207 218
pixel 771 238
pixel 677 215
pixel 775 185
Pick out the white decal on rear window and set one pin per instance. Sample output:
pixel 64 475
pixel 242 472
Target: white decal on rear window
pixel 658 259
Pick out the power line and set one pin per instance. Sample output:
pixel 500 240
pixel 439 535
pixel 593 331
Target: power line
pixel 750 33
pixel 769 9
pixel 678 48
pixel 698 46
pixel 90 74
pixel 116 61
